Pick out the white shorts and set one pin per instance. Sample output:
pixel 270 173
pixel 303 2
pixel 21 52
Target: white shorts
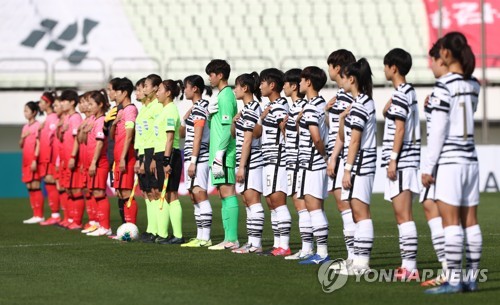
pixel 407 179
pixel 312 183
pixel 458 184
pixel 361 189
pixel 253 180
pixel 201 178
pixel 427 193
pixel 291 175
pixel 336 183
pixel 274 179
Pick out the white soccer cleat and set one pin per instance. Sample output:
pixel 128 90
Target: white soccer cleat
pixel 100 232
pixel 361 269
pixel 219 246
pixel 33 220
pixel 340 264
pixel 232 245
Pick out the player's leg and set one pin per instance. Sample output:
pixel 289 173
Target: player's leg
pixel 103 211
pixel 305 230
pixel 53 197
pixel 278 200
pixel 473 235
pixel 319 225
pixel 255 222
pixel 172 198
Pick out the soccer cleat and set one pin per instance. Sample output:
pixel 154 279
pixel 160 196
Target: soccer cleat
pixel 232 245
pixel 281 252
pixel 63 223
pixel 242 250
pixel 470 287
pixel 192 243
pixel 33 220
pixel 145 235
pixel 91 228
pixel 300 255
pixel 74 226
pixel 403 274
pixel 345 269
pixel 219 246
pixel 150 239
pixel 87 225
pixel 438 281
pixel 340 263
pixel 205 243
pixel 315 259
pixel 50 222
pixel 446 288
pixel 268 252
pixel 162 240
pixel 361 269
pixel 176 241
pixel 101 232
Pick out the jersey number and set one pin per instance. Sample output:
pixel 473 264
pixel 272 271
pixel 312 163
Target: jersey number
pixel 464 108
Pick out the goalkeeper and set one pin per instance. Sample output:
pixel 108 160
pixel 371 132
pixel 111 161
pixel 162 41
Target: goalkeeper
pixel 223 150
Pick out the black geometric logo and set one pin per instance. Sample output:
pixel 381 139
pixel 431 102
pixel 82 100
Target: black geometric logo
pixel 58 44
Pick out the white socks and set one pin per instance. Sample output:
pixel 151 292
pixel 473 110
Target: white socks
pixel 453 248
pixel 437 235
pixel 257 224
pixel 320 231
pixel 305 230
pixel 409 244
pixel 284 225
pixel 349 229
pixel 363 242
pixel 205 219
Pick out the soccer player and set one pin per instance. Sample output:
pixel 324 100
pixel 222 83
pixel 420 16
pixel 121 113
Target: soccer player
pixel 274 174
pixel 72 177
pixel 109 128
pixel 124 154
pixel 84 162
pixel 167 162
pixel 222 151
pixel 451 163
pixel 98 169
pixel 401 157
pixel 360 154
pixel 337 61
pixel 249 159
pixel 196 132
pixel 427 195
pixel 291 90
pixel 46 167
pixel 30 146
pixel 144 144
pixel 312 180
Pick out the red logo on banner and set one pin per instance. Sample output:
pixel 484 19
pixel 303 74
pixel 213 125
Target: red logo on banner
pixel 465 16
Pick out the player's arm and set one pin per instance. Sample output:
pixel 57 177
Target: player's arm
pixel 129 136
pixel 227 114
pixel 182 130
pixel 97 152
pixel 37 153
pixel 398 111
pixel 440 106
pixel 245 154
pixel 312 121
pixel 359 116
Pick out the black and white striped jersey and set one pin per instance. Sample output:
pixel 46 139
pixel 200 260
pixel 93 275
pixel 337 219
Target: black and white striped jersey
pixel 404 107
pixel 362 117
pixel 273 148
pixel 341 104
pixel 292 135
pixel 453 103
pixel 250 114
pixel 198 113
pixel 313 115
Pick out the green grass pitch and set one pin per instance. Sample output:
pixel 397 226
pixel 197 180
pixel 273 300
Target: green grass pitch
pixel 49 265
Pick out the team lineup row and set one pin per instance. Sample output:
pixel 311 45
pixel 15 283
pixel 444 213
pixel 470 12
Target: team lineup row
pixel 305 149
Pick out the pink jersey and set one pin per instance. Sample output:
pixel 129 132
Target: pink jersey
pixel 86 125
pixel 70 130
pixel 47 135
pixel 95 135
pixel 31 133
pixel 125 116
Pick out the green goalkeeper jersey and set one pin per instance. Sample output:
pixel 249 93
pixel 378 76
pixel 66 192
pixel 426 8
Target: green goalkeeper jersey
pixel 220 127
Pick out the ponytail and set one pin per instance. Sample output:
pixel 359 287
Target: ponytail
pixel 197 81
pixel 457 44
pixel 252 82
pixel 101 98
pixel 176 88
pixel 363 73
pixel 34 107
